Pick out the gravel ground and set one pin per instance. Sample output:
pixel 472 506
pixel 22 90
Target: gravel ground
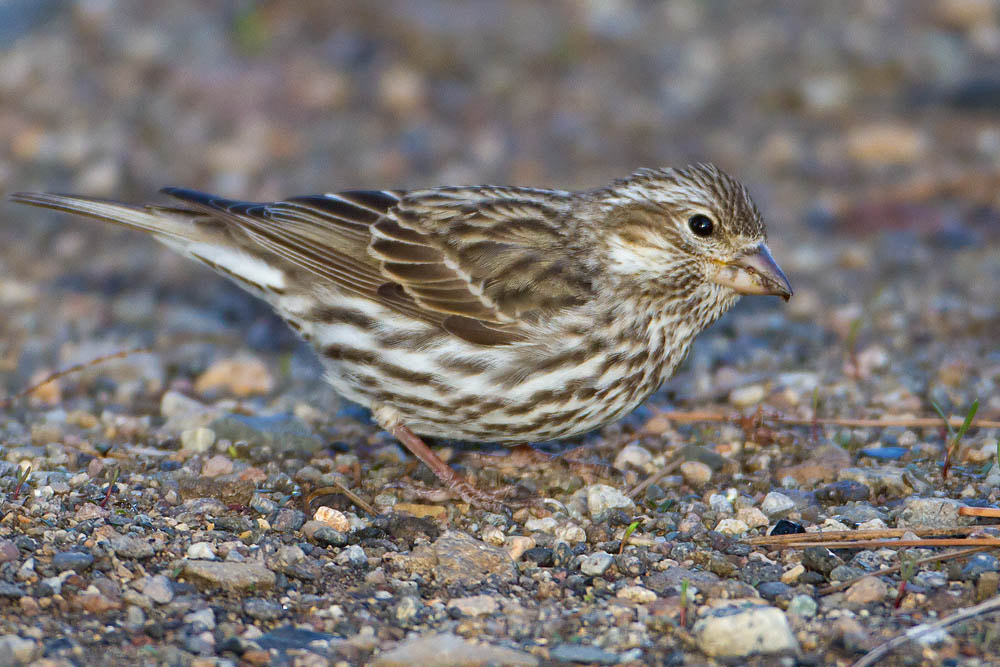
pixel 211 501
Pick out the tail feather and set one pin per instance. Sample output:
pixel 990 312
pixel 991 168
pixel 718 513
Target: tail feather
pixel 161 221
pixel 194 233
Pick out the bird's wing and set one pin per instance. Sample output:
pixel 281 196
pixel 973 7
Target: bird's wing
pixel 478 262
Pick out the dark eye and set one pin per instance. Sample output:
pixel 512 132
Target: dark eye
pixel 701 225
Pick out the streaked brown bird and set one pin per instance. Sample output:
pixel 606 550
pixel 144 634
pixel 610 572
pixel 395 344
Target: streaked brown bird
pixel 496 314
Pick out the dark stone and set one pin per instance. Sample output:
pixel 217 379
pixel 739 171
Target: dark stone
pixel 757 572
pixel 78 561
pixel 540 556
pixel 287 520
pixel 979 564
pixel 820 559
pixel 786 527
pixel 288 637
pixel 884 453
pixel 842 492
pixel 775 591
pixel 262 609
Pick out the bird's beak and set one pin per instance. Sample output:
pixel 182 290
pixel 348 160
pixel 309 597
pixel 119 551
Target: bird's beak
pixel 754 272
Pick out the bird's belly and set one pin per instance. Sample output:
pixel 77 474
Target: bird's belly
pixel 445 387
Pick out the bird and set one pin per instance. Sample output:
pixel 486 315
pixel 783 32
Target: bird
pixel 498 314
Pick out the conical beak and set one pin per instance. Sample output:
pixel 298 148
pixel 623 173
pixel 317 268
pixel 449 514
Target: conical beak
pixel 755 272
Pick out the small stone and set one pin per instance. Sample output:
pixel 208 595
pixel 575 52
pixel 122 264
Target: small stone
pixel 132 546
pixel 866 591
pixel 197 440
pixel 638 594
pixel 88 511
pixel 933 513
pixel 540 556
pixel 517 545
pixel 979 564
pixel 696 473
pixel 262 610
pixel 732 527
pixel 595 564
pixel 802 605
pixel 791 576
pixel 352 556
pixel 201 551
pixel 634 456
pixel 457 558
pixel 737 632
pixel 78 561
pixel 333 518
pixel 323 534
pixel 544 525
pixel 986 586
pixel 744 397
pixel 820 559
pixel 885 480
pixel 476 605
pixel 752 517
pixel 408 608
pixel 582 653
pixel 217 466
pixel 776 504
pixel 242 377
pixel 204 617
pixel 601 497
pixel 229 576
pixel 8 551
pixel 570 533
pixel 17 651
pixel 158 589
pixel 449 650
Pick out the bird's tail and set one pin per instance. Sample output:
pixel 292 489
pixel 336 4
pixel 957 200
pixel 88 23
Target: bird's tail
pixel 166 223
pixel 194 233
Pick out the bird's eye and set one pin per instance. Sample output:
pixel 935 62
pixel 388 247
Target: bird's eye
pixel 701 225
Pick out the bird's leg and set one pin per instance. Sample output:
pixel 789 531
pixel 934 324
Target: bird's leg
pixel 390 419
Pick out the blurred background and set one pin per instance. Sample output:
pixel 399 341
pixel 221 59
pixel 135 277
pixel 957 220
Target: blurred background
pixel 869 132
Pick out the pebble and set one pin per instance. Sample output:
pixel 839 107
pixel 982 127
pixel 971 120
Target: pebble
pixel 776 504
pixel 333 518
pixel 802 605
pixel 133 546
pixel 198 440
pixel 601 498
pixel 203 617
pixel 738 632
pixel 449 650
pixel 752 517
pixel 233 577
pixel 933 513
pixel 791 575
pixel 457 558
pixel 820 559
pixel 475 605
pixel 323 534
pixel 866 591
pixel 352 556
pixel 696 473
pixel 744 397
pixel 262 610
pixel 15 650
pixel 582 653
pixel 635 456
pixel 517 546
pixel 978 564
pixel 732 527
pixel 9 551
pixel 638 594
pixel 597 563
pixel 217 466
pixel 201 551
pixel 76 561
pixel 241 377
pixel 159 589
pixel 883 480
pixel 543 525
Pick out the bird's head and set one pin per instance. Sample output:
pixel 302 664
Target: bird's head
pixel 687 233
